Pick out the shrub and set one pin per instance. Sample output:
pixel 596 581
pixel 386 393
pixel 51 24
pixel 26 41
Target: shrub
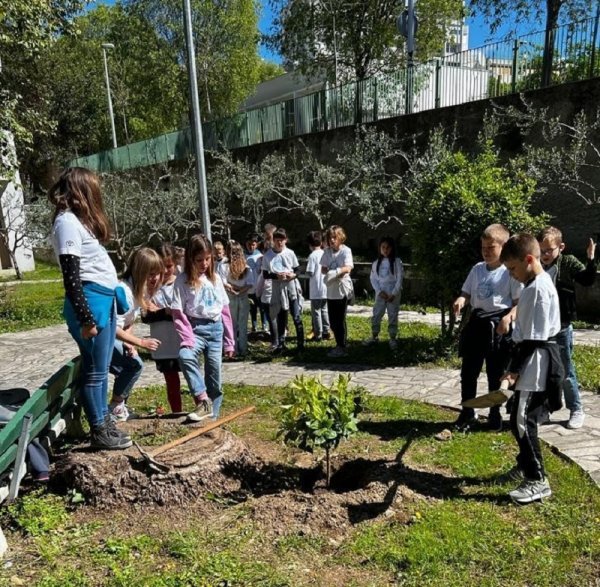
pixel 315 415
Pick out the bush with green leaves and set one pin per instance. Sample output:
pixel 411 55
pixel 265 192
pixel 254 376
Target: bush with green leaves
pixel 452 203
pixel 315 415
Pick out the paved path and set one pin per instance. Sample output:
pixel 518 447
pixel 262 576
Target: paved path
pixel 28 358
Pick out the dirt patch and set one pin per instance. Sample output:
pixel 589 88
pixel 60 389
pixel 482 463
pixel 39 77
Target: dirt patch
pixel 282 495
pixel 212 463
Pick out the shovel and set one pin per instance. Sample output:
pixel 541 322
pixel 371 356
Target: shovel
pixel 491 399
pixel 157 467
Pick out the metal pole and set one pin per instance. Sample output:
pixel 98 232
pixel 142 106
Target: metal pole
pixel 410 50
pixel 106 46
pixel 196 120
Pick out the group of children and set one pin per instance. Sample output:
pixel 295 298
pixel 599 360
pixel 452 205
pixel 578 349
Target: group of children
pixel 522 304
pixel 521 299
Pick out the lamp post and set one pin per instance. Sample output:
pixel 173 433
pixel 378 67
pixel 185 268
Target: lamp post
pixel 196 120
pixel 106 46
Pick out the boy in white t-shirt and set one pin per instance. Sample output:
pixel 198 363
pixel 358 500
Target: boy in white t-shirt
pixel 536 370
pixel 280 269
pixel 493 295
pixel 317 289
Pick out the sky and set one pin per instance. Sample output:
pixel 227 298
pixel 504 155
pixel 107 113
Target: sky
pixel 479 31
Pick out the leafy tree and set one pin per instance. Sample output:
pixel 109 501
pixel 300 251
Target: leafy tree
pixel 226 42
pixel 497 11
pixel 452 202
pixel 318 416
pixel 27 29
pixel 355 39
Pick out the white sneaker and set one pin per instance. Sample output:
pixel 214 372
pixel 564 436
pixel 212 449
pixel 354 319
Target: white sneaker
pixel 118 411
pixel 370 341
pixel 393 344
pixel 531 490
pixel 576 420
pixel 202 412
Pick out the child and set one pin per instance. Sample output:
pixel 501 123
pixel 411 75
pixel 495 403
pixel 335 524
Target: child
pixel 239 280
pixel 493 295
pixel 535 369
pixel 200 310
pixel 280 270
pixel 267 242
pixel 386 278
pixel 144 272
pixel 336 265
pixel 179 260
pixel 254 260
pixel 220 258
pixel 317 289
pixel 158 315
pixel 80 228
pixel 566 271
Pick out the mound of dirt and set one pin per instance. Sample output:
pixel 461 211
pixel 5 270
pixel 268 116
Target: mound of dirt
pixel 212 463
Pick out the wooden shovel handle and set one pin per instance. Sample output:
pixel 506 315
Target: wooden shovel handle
pixel 200 431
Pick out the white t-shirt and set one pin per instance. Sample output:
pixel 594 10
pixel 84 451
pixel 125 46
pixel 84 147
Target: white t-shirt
pixel 385 280
pixel 316 284
pixel 491 291
pixel 247 280
pixel 255 263
pixel 538 318
pixel 127 319
pixel 282 262
pixel 71 237
pixel 205 301
pixel 333 260
pixel 164 330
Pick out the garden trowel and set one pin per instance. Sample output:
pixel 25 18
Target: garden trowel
pixel 491 399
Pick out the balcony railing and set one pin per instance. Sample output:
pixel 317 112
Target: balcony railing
pixel 490 71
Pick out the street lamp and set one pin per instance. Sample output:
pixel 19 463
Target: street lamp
pixel 106 46
pixel 196 119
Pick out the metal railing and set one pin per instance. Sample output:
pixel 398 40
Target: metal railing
pixel 490 71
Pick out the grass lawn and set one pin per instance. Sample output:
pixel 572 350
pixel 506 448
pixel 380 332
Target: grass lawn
pixel 43 270
pixel 441 520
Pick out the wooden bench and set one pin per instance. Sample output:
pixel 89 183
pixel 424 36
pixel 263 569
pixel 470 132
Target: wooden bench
pixel 43 416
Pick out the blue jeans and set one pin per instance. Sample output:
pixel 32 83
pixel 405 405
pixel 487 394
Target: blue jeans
pixel 95 354
pixel 564 340
pixel 209 344
pixel 319 317
pixel 126 369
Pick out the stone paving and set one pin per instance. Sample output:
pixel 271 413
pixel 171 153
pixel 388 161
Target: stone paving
pixel 27 359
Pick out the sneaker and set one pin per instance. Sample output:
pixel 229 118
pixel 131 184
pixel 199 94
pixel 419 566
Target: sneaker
pixel 112 428
pixel 326 335
pixel 531 490
pixel 465 424
pixel 514 475
pixel 118 411
pixel 311 336
pixel 202 412
pixel 576 419
pixel 370 341
pixel 317 339
pixel 495 421
pixel 393 344
pixel 103 438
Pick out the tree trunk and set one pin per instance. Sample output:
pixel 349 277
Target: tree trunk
pixel 552 10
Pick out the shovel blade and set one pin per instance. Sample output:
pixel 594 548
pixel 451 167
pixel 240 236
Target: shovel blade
pixel 489 400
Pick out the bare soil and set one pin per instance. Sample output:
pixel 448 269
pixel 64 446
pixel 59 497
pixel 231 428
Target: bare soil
pixel 219 467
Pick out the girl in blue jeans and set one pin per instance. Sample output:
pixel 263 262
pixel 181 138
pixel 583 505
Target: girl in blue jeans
pixel 80 228
pixel 142 276
pixel 200 311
